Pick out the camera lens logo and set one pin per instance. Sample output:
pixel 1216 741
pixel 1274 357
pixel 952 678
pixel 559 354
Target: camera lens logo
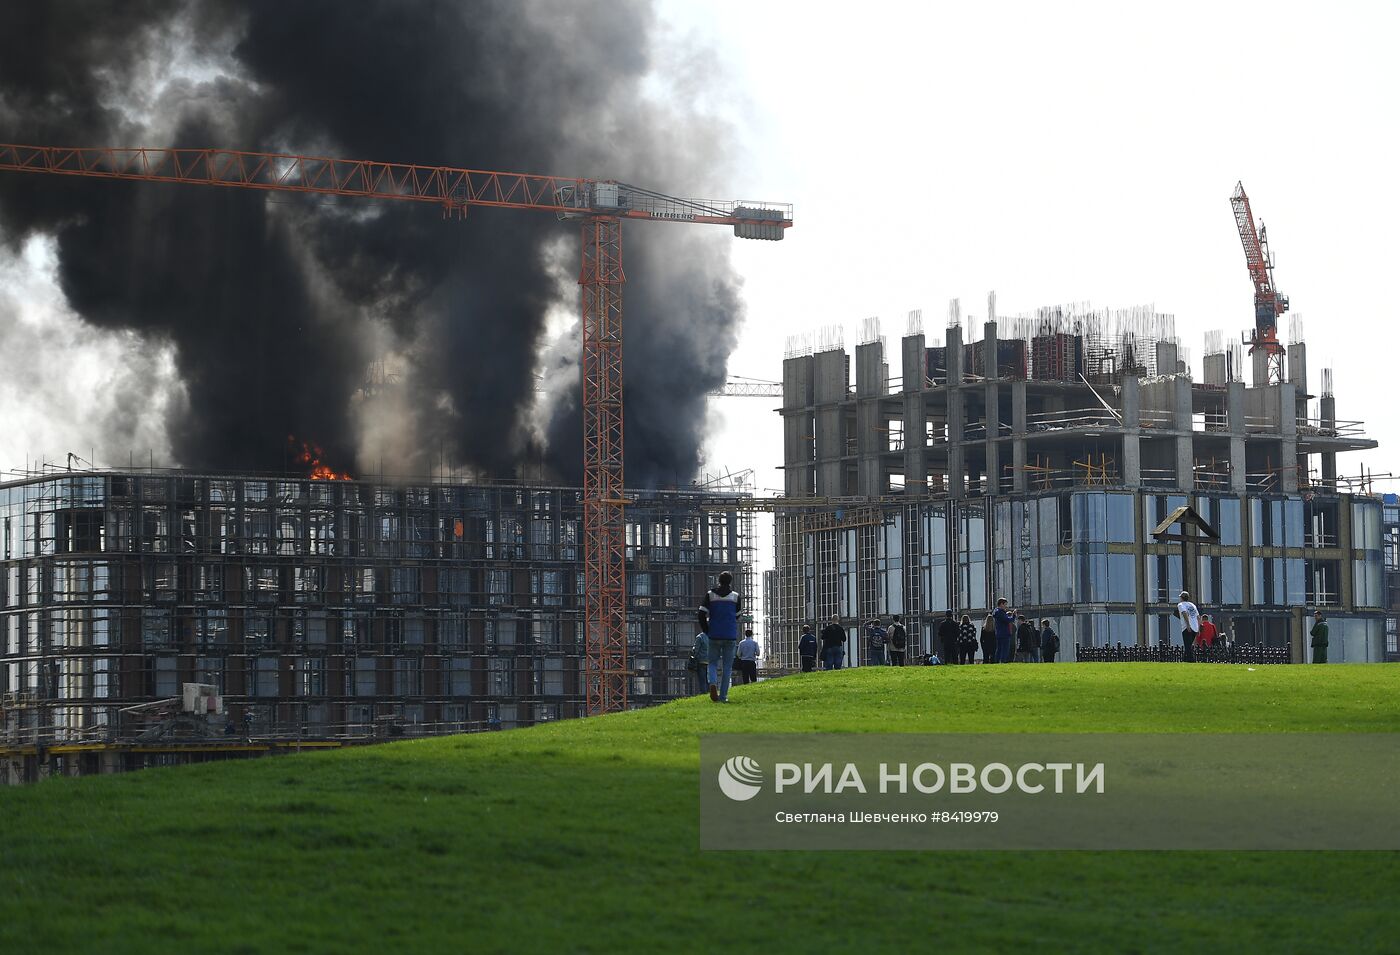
pixel 740 778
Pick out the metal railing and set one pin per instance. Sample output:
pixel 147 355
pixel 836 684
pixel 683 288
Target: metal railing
pixel 1331 429
pixel 280 733
pixel 1160 653
pixel 1158 478
pixel 1072 419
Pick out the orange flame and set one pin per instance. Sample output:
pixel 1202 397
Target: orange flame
pixel 310 456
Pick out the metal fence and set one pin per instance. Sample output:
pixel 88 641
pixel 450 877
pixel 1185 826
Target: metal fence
pixel 1235 653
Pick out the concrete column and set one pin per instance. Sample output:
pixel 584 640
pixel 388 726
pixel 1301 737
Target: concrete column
pixel 1234 413
pixel 798 437
pixel 870 369
pixel 872 435
pixel 957 454
pixel 1288 427
pixel 989 349
pixel 1298 367
pixel 1213 368
pixel 1181 422
pixel 831 381
pixel 992 401
pixel 1018 436
pixel 1166 358
pixel 1298 377
pixel 915 414
pixel 913 363
pixel 1327 406
pixel 953 356
pixel 992 478
pixel 957 458
pixel 1132 444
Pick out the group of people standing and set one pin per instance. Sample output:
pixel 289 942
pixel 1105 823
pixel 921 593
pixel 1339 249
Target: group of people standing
pixel 1199 633
pixel 884 646
pixel 1008 636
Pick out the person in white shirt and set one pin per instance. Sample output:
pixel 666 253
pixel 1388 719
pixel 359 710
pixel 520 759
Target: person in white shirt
pixel 746 656
pixel 1190 625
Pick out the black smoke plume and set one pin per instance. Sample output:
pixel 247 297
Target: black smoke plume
pixel 275 305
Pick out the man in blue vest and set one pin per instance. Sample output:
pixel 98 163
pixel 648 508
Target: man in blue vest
pixel 719 618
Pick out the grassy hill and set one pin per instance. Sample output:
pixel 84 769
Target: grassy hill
pixel 582 836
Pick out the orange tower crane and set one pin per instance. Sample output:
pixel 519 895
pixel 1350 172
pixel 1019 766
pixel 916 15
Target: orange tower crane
pixel 1269 303
pixel 600 204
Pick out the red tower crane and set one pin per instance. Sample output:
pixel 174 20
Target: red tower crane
pixel 1269 303
pixel 601 205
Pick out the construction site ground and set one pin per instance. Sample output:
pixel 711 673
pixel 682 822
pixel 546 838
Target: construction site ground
pixel 582 836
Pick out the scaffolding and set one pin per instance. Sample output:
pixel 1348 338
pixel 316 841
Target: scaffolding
pixel 324 609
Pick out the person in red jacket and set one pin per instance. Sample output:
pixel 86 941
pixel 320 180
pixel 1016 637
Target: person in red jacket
pixel 1206 638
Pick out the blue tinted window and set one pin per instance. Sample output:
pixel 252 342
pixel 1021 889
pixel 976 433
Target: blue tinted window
pixel 1293 568
pixel 1120 517
pixel 1122 628
pixel 1229 528
pixel 1293 523
pixel 1122 578
pixel 1231 581
pixel 1090 521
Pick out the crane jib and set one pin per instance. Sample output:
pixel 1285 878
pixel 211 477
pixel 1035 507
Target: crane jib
pixel 600 204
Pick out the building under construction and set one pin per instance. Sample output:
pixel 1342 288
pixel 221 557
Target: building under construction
pixel 1035 464
pixel 318 610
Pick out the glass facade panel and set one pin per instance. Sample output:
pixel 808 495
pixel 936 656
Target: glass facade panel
pixel 1232 581
pixel 1120 518
pixel 1122 578
pixel 1229 527
pixel 1292 523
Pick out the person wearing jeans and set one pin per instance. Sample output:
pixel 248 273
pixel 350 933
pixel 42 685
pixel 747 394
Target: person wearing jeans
pixel 833 644
pixel 719 619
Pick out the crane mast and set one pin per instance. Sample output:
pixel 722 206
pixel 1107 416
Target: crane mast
pixel 1269 303
pixel 600 204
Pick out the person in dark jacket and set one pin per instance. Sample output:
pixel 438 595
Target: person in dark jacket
pixel 1027 641
pixel 899 643
pixel 700 660
pixel 833 644
pixel 1319 638
pixel 967 640
pixel 807 648
pixel 989 640
pixel 1049 642
pixel 948 639
pixel 719 619
pixel 875 643
pixel 1006 629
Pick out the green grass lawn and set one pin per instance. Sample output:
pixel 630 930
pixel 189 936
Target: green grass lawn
pixel 582 836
